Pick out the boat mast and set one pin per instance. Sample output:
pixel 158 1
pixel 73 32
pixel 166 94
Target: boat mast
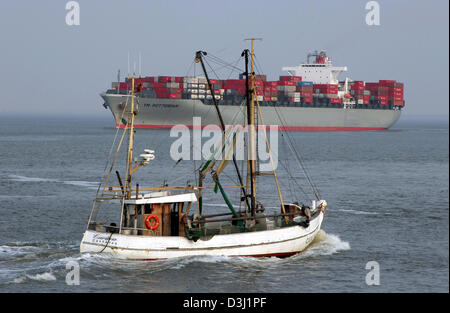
pixel 251 126
pixel 130 125
pixel 199 58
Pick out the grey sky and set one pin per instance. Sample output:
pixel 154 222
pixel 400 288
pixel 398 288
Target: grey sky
pixel 48 67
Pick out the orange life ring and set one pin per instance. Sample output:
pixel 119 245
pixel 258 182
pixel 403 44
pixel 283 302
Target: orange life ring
pixel 147 222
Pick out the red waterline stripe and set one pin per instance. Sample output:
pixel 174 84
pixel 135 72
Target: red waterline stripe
pixel 284 254
pixel 295 128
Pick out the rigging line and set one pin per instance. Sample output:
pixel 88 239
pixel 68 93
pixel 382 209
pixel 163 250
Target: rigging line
pixel 106 243
pixel 219 64
pixel 110 151
pixel 190 67
pixel 299 158
pixel 286 167
pixel 232 69
pixel 219 60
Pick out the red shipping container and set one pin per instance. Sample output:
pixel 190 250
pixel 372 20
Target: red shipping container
pixel 156 85
pixel 123 85
pixel 386 82
pixel 164 79
pixel 306 94
pixel 396 94
pixel 308 99
pixel 335 100
pixel 235 81
pixel 291 78
pixel 357 87
pixel 161 95
pixel 286 83
pixel 272 83
pixel 267 98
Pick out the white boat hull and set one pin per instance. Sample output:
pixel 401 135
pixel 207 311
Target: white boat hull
pixel 284 241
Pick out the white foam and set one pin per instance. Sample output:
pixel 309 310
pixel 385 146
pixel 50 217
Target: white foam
pixel 81 183
pixel 88 184
pixel 31 179
pixel 47 276
pixel 357 212
pixel 326 244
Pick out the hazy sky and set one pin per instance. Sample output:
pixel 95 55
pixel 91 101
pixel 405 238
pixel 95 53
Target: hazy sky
pixel 48 67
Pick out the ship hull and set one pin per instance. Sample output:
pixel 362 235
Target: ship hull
pixel 280 242
pixel 166 113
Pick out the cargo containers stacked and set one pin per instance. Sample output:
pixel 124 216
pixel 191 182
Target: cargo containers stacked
pixel 286 90
pixel 386 93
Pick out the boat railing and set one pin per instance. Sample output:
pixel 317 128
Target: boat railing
pixel 101 227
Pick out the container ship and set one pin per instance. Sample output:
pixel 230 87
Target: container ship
pixel 309 98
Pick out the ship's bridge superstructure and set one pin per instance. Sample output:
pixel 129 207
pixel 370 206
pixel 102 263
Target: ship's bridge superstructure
pixel 320 71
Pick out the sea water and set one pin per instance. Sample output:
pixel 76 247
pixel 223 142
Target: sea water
pixel 387 194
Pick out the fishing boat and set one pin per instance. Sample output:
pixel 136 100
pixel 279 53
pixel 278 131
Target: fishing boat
pixel 171 221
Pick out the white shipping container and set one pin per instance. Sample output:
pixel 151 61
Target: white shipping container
pixel 190 79
pixel 202 80
pixel 201 91
pixel 208 97
pixel 193 96
pixel 193 90
pixel 202 86
pixel 172 85
pixel 296 99
pixel 260 98
pixel 201 96
pixel 193 85
pixel 217 97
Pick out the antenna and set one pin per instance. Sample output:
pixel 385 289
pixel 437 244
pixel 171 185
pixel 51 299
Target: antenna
pixel 128 64
pixel 140 72
pixel 118 80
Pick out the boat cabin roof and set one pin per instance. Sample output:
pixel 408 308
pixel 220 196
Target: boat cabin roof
pixel 163 197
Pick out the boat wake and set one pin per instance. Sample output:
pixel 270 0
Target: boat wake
pixel 323 244
pixel 87 184
pixel 38 262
